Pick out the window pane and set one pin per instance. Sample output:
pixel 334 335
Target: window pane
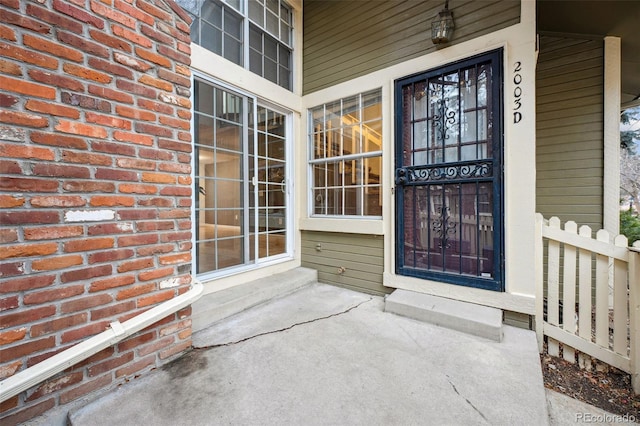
pixel 273 24
pixel 232 50
pixel 211 38
pixel 233 25
pixel 212 13
pixel 256 12
pixel 204 128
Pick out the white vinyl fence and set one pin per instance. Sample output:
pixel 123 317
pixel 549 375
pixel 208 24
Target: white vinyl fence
pixel 588 295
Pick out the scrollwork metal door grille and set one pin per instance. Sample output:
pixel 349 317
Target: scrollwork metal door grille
pixel 449 173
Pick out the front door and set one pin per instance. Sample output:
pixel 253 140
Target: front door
pixel 448 174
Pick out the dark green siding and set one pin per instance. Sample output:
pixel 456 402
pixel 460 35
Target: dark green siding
pixel 347 39
pixel 570 130
pixel 361 256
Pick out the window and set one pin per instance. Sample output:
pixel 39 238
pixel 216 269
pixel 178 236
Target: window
pixel 241 197
pixel 346 156
pixel 223 26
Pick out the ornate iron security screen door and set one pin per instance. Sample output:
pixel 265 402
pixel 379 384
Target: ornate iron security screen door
pixel 449 174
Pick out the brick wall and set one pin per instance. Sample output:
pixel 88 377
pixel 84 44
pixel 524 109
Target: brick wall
pixel 95 188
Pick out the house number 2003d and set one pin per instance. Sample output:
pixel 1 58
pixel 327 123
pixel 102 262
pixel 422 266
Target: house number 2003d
pixel 517 92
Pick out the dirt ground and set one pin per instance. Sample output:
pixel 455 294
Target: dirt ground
pixel 609 390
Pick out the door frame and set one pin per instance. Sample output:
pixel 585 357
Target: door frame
pixel 496 283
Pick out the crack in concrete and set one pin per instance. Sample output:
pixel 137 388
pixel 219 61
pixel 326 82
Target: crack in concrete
pixel 286 328
pixel 467 400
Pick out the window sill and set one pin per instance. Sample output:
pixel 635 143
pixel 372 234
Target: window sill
pixel 352 225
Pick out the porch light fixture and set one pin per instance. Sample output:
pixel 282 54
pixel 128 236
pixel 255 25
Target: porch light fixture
pixel 442 27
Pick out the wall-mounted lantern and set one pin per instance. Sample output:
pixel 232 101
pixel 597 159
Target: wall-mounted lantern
pixel 442 27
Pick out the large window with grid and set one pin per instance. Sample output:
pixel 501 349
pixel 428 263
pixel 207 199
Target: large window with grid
pixel 255 34
pixel 345 146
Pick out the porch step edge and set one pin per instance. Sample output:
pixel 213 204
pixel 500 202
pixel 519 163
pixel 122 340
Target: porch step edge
pixel 477 320
pixel 213 307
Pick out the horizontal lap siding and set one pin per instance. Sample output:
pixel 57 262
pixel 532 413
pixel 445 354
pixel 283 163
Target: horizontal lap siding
pixel 347 39
pixel 569 147
pixel 361 256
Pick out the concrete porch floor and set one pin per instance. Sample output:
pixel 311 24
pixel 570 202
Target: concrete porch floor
pixel 329 356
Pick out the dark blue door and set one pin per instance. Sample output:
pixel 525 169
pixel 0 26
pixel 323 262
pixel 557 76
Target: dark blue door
pixel 448 174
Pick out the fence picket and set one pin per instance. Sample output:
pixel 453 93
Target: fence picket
pixel 584 292
pixel 602 294
pixel 620 306
pixel 569 292
pixel 553 283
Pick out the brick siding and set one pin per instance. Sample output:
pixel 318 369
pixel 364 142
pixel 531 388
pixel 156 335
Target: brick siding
pixel 95 188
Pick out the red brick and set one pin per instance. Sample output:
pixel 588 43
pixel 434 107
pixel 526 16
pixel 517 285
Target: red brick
pixel 10 167
pixel 10 68
pixel 52 48
pixel 184 114
pixel 135 291
pixel 8 370
pixel 9 201
pixel 182 14
pixel 174 350
pixel 176 191
pixel 112 311
pixel 110 364
pixel 156 154
pixel 86 102
pixel 88 186
pixel 8 303
pixel 83 44
pixel 157 35
pixel 11 269
pixel 56 19
pixel 108 40
pixel 58 324
pixel 158 178
pixel 137 188
pixel 155 346
pixel 59 262
pixel 133 163
pixel 175 327
pixel 8 235
pixel 85 331
pixel 110 228
pixel 155 106
pixel 56 384
pixel 58 201
pixel 55 139
pixel 136 114
pixel 86 73
pixel 46 169
pixel 27 348
pixel 7 101
pixel 132 36
pixel 19 20
pixel 155 298
pixel 28 250
pixel 108 121
pixel 137 240
pixel 137 65
pixel 112 14
pixel 134 12
pixel 135 88
pixel 53 109
pixel 138 214
pixel 135 138
pixel 28 56
pixel 158 249
pixel 22 151
pixel 85 274
pixel 173 145
pixel 111 174
pixel 25 284
pixel 114 148
pixel 79 14
pixel 173 54
pixel 98 357
pixel 154 82
pixel 153 129
pixel 57 80
pixel 136 366
pixel 173 32
pixel 110 201
pixel 136 340
pixel 136 265
pixel 50 233
pixel 58 293
pixel 81 129
pixel 86 158
pixel 29 412
pixel 155 274
pixel 85 388
pixel 174 78
pixel 153 10
pixel 110 68
pixel 85 245
pixel 152 57
pixel 23 119
pixel 85 303
pixel 175 259
pixel 110 256
pixel 107 93
pixel 157 202
pixel 7 33
pixel 113 282
pixel 28 185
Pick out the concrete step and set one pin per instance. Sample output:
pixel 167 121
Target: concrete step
pixel 461 316
pixel 213 307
